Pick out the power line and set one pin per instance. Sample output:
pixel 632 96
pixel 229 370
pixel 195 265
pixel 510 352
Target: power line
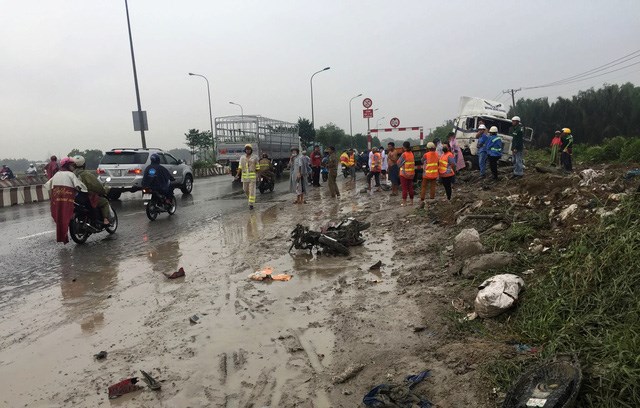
pixel 584 78
pixel 588 73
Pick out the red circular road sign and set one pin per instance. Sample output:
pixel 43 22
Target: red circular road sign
pixel 394 122
pixel 367 103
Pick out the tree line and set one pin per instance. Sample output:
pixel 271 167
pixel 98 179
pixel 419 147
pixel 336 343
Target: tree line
pixel 592 115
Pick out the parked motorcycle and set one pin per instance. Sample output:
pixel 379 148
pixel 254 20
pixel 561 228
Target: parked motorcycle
pixel 157 203
pixel 345 171
pixel 84 222
pixel 325 174
pixel 265 184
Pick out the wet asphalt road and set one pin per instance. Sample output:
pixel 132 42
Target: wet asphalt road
pixel 31 259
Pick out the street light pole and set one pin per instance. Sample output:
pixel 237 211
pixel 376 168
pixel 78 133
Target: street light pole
pixel 378 121
pixel 350 121
pixel 241 110
pixel 209 98
pixel 313 123
pixel 135 79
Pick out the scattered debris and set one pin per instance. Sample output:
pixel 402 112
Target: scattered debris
pixel 564 214
pixel 398 395
pixel 195 319
pixel 101 355
pixel 467 244
pixel 588 175
pixel 529 272
pixel 553 384
pixel 350 372
pixel 333 239
pixel 177 274
pixel 617 197
pixel 151 382
pixel 497 294
pixel 267 275
pixel 485 262
pixel 376 265
pixel 123 387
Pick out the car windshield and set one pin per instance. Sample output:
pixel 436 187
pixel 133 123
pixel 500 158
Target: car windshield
pixel 125 158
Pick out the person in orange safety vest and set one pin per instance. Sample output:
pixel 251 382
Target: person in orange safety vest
pixel 407 165
pixel 376 169
pixel 430 163
pixel 447 170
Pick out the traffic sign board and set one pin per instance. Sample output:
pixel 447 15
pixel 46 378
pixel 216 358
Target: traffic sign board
pixel 394 122
pixel 367 113
pixel 367 103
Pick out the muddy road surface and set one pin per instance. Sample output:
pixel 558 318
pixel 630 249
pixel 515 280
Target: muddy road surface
pixel 322 339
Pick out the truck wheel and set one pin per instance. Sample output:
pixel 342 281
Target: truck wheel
pixel 471 162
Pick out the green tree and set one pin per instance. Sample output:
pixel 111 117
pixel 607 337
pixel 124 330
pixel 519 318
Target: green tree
pixel 200 143
pixel 306 131
pixel 331 135
pixel 92 157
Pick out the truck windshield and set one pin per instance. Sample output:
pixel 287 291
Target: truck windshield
pixel 124 158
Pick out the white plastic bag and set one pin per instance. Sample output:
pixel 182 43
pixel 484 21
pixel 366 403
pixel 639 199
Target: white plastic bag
pixel 497 294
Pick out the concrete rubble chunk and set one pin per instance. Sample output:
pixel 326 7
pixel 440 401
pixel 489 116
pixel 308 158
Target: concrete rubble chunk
pixel 484 262
pixel 467 244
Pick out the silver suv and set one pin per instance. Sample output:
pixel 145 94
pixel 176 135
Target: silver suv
pixel 126 167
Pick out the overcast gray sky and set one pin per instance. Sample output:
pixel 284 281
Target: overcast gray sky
pixel 67 80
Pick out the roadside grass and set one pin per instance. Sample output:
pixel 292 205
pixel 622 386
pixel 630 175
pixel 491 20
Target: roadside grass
pixel 586 303
pixel 514 236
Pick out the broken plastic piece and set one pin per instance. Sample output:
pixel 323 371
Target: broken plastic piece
pixel 267 274
pixel 123 387
pixel 101 355
pixel 177 274
pixel 151 382
pixel 195 319
pixel 376 265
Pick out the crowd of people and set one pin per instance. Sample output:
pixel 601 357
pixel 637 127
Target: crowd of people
pixel 397 166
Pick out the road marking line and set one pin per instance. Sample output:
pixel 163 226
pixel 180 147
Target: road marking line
pixel 38 234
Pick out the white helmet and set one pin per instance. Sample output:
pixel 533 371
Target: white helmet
pixel 516 118
pixel 482 127
pixel 78 161
pixel 493 129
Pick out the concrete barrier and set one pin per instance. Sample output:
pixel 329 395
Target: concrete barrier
pixel 210 171
pixel 23 194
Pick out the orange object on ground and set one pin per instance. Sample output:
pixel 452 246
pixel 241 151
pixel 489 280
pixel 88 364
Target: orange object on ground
pixel 267 274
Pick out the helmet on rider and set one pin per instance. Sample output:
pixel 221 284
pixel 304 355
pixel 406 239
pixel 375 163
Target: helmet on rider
pixel 155 158
pixel 494 129
pixel 265 156
pixel 78 161
pixel 66 162
pixel 566 131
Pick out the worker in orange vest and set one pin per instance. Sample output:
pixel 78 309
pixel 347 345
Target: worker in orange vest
pixel 376 169
pixel 430 162
pixel 447 169
pixel 407 165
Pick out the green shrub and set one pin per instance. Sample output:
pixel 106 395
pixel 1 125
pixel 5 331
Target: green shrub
pixel 631 152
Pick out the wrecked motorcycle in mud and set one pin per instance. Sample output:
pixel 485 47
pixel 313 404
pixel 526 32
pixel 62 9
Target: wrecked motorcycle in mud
pixel 332 239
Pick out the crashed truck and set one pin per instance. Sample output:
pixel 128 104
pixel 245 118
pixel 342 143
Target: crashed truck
pixel 270 136
pixel 474 110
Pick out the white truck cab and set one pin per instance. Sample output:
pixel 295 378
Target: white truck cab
pixel 476 111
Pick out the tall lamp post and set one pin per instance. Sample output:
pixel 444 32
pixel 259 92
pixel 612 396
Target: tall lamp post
pixel 241 110
pixel 378 122
pixel 135 80
pixel 350 121
pixel 210 115
pixel 313 123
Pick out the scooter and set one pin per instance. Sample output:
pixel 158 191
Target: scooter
pixel 265 184
pixel 157 203
pixel 325 174
pixel 84 222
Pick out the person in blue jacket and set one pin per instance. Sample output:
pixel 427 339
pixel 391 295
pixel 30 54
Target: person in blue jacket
pixel 494 150
pixel 483 138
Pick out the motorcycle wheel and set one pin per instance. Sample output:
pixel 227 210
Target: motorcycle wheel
pixel 174 204
pixel 78 236
pixel 113 226
pixel 333 245
pixel 271 188
pixel 261 188
pixel 152 210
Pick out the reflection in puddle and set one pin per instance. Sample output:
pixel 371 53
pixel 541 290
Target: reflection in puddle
pixel 165 257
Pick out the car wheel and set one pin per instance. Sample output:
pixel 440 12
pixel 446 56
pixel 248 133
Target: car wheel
pixel 187 186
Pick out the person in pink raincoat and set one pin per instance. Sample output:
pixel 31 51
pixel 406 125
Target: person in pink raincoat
pixel 457 152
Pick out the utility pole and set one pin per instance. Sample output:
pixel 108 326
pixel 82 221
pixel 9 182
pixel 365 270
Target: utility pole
pixel 513 97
